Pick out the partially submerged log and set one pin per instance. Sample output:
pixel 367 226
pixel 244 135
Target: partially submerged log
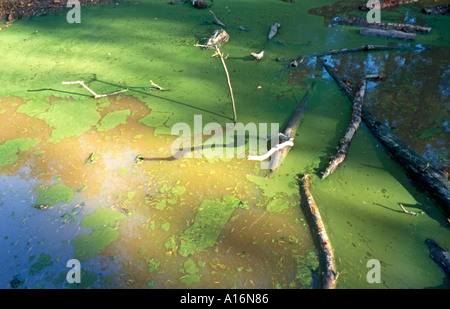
pixel 357 22
pixel 388 34
pixel 289 132
pixel 367 47
pixel 328 268
pixel 345 141
pixel 431 179
pixel 437 10
pixel 439 255
pixel 388 4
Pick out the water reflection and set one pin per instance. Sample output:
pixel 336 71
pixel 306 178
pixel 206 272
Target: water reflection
pixel 412 99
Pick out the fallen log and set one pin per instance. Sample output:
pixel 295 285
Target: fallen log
pixel 437 10
pixel 388 34
pixel 357 22
pixel 430 179
pixel 388 4
pixel 345 50
pixel 439 255
pixel 328 268
pixel 344 143
pixel 289 132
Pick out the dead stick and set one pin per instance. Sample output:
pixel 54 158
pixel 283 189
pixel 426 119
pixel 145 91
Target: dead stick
pixel 329 273
pixel 344 143
pixel 92 91
pixel 228 81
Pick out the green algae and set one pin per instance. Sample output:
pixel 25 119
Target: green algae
pixel 152 264
pixel 55 194
pixel 154 52
pixel 43 261
pixel 102 218
pixel 86 246
pixel 113 119
pixel 103 222
pixel 161 205
pixel 69 119
pixel 165 226
pixel 178 190
pixel 277 205
pixel 211 217
pixel 191 271
pixel 11 150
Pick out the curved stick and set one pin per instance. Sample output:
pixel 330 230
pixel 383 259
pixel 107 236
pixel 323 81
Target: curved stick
pixel 344 143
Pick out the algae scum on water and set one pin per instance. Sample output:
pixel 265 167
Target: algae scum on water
pixel 72 185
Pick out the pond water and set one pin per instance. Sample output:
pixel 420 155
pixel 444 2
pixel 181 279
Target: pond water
pixel 70 185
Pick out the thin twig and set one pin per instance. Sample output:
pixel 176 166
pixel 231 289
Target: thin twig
pixel 157 86
pixel 92 91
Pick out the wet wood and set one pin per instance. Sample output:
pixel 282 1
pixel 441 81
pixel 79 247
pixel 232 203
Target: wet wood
pixel 216 20
pixel 199 4
pixel 357 22
pixel 388 4
pixel 329 275
pixel 439 255
pixel 430 179
pixel 289 132
pixel 343 51
pixel 388 34
pixel 228 82
pixel 437 10
pixel 345 141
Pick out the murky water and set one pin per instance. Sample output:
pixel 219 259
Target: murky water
pixel 204 223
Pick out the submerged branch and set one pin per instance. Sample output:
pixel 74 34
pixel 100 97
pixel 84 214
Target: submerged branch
pixel 329 273
pixel 346 50
pixel 344 143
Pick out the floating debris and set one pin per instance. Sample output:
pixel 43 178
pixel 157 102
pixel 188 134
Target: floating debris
pixel 217 21
pixel 273 30
pixel 258 56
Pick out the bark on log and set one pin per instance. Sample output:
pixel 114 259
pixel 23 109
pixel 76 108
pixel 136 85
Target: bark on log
pixel 289 132
pixel 431 179
pixel 439 255
pixel 388 34
pixel 346 50
pixel 328 268
pixel 344 143
pixel 384 26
